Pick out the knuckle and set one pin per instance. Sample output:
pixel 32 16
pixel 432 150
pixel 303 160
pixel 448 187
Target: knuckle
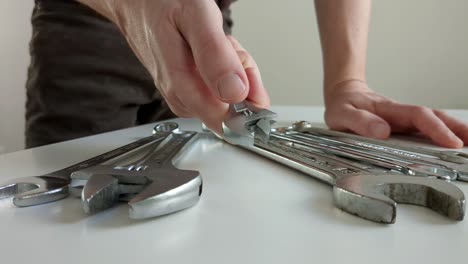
pixel 420 111
pixel 355 116
pixel 439 112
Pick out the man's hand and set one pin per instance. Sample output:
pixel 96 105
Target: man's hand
pixel 351 105
pixel 196 67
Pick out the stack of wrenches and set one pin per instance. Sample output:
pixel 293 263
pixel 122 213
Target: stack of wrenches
pixel 449 165
pixel 151 185
pixel 366 182
pixel 363 189
pixel 53 186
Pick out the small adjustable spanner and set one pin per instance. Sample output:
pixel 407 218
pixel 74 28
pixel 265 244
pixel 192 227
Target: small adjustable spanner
pixel 151 184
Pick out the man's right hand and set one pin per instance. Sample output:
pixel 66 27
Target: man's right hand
pixel 196 67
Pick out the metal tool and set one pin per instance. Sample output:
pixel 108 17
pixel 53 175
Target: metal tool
pixel 35 190
pixel 247 122
pixel 450 160
pixel 385 161
pixel 450 156
pixel 151 185
pixel 362 192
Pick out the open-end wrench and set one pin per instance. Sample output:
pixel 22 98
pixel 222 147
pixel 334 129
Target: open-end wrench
pixel 450 156
pixel 360 192
pixel 423 167
pixel 35 190
pixel 152 185
pixel 245 122
pixel 449 159
pixel 388 162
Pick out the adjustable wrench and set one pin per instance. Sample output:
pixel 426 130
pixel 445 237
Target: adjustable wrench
pixel 245 122
pixel 35 190
pixel 367 194
pixel 152 185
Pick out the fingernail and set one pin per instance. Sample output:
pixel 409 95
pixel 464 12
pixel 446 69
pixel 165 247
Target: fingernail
pixel 378 130
pixel 230 86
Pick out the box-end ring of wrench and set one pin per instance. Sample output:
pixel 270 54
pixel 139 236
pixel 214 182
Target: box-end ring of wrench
pixel 368 195
pixel 50 187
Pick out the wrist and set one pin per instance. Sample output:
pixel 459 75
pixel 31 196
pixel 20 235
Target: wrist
pixel 342 87
pixel 338 73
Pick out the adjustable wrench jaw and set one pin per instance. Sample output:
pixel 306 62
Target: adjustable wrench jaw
pixel 166 191
pixel 172 191
pixel 152 186
pixel 245 122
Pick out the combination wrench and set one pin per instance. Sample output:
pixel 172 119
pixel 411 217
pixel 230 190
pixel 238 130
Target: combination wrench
pixel 365 193
pixel 386 161
pixel 452 160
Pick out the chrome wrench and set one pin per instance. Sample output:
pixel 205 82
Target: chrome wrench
pixel 446 159
pixel 450 156
pixel 152 186
pixel 382 160
pixel 50 187
pixel 245 122
pixel 369 195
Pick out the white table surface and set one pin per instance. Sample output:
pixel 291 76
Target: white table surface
pixel 251 211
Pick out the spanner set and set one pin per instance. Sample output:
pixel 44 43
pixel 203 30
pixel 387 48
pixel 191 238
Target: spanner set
pixel 368 176
pixel 366 187
pixel 152 186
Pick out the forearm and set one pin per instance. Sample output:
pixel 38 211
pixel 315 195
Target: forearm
pixel 344 27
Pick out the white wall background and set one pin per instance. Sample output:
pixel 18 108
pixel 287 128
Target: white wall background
pixel 418 50
pixel 418 54
pixel 15 31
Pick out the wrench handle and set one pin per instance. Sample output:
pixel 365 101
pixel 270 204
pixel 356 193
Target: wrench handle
pixel 65 173
pixel 322 167
pixel 171 146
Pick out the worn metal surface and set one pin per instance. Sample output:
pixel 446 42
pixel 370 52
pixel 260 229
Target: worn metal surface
pixel 361 190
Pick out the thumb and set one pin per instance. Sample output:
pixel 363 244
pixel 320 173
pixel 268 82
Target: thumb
pixel 215 58
pixel 359 121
